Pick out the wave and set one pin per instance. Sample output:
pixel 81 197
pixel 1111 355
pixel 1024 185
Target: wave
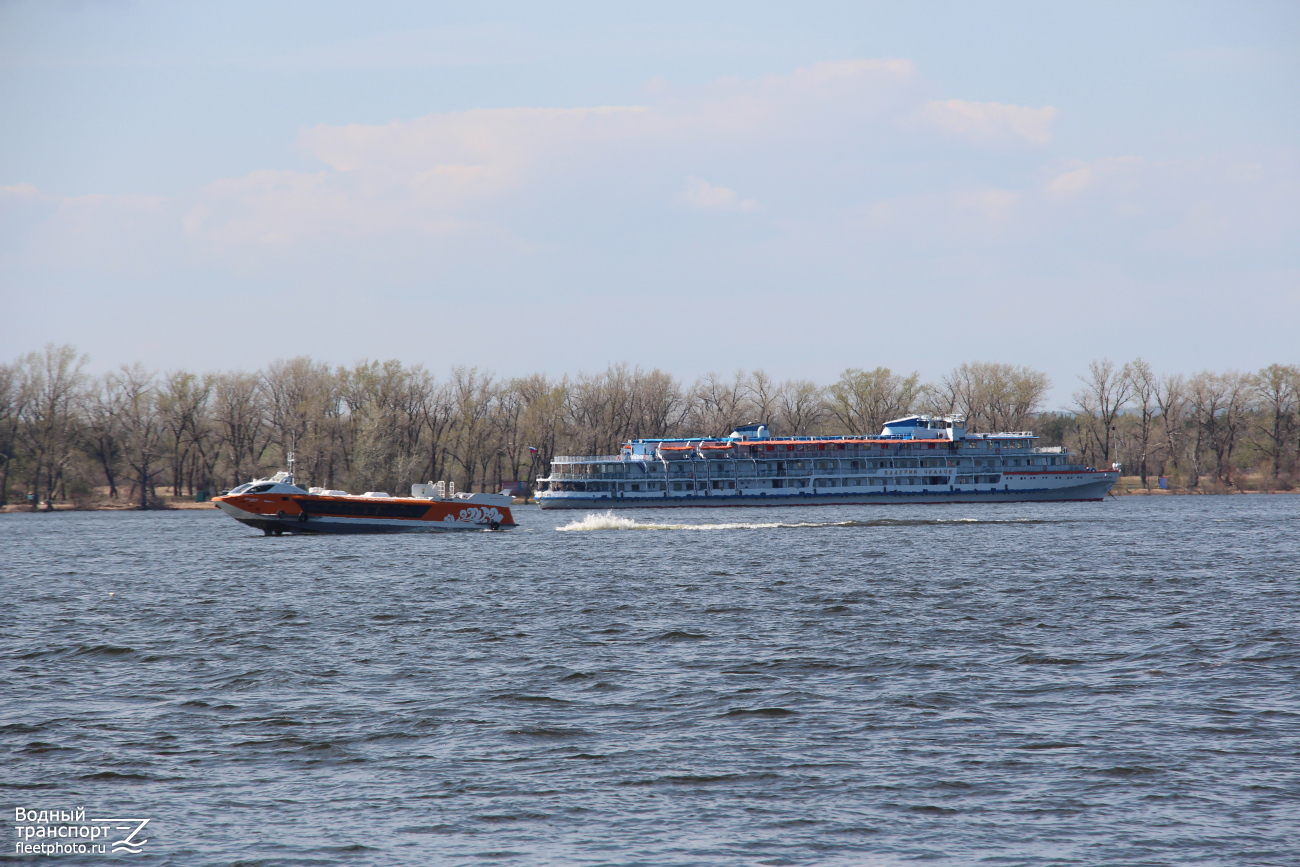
pixel 610 521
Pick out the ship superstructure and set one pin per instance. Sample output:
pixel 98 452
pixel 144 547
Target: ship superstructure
pixel 916 459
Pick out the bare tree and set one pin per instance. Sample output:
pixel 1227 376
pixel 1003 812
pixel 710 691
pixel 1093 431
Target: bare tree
pixel 437 413
pixel 14 394
pixel 762 392
pixel 1277 387
pixel 1218 402
pixel 472 397
pixel 182 402
pixel 240 420
pixel 1146 385
pixel 718 406
pixel 862 401
pixel 992 397
pixel 205 443
pixel 608 408
pixel 541 423
pixel 53 379
pixel 801 408
pixel 1171 398
pixel 1232 392
pixel 660 408
pixel 388 408
pixel 1106 391
pixel 302 397
pixel 137 397
pixel 102 428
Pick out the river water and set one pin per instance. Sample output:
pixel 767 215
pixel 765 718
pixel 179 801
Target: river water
pixel 1039 684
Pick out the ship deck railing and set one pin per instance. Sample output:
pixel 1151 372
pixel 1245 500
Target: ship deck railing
pixel 808 473
pixel 587 459
pixel 761 456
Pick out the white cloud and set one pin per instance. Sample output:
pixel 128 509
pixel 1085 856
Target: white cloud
pixel 991 204
pixel 22 191
pixel 703 195
pixel 1085 174
pixel 459 169
pixel 491 141
pixel 833 146
pixel 100 232
pixel 991 122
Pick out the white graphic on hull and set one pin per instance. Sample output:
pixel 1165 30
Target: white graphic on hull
pixel 475 515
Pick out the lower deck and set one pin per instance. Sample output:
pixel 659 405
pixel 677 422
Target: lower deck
pixel 1090 488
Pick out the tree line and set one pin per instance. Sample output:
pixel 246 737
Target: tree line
pixel 134 435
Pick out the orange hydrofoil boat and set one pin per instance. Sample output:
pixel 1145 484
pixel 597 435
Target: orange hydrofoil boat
pixel 277 506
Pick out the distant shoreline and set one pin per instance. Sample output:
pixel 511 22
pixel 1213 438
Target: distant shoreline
pixel 184 504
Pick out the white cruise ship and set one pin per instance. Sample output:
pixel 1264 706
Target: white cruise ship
pixel 917 459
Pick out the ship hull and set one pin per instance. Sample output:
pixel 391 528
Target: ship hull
pixel 1093 491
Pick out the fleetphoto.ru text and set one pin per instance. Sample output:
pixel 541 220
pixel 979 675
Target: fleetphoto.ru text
pixel 69 832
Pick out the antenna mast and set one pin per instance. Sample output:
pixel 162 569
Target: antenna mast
pixel 292 443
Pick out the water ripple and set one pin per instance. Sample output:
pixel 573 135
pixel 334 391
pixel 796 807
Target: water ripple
pixel 1039 684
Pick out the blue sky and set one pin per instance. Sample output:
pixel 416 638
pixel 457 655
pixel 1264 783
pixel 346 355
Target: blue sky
pixel 802 188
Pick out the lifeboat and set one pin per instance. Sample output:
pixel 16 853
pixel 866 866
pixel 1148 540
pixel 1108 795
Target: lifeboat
pixel 277 506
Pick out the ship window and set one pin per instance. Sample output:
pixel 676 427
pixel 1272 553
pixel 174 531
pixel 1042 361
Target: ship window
pixel 258 489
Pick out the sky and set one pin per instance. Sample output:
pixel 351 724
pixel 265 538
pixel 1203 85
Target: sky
pixel 527 187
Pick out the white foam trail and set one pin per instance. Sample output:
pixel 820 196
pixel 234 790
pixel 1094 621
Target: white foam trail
pixel 607 521
pixel 610 521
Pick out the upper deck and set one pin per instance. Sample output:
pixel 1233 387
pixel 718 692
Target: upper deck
pixel 914 436
pixel 900 436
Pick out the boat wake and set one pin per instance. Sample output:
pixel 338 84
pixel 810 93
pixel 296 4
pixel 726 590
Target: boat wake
pixel 610 521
